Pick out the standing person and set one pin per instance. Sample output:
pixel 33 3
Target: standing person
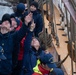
pixel 8 40
pixel 19 49
pixel 46 66
pixel 16 25
pixel 20 11
pixel 32 51
pixel 37 18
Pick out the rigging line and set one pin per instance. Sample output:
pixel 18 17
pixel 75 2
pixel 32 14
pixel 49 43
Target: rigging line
pixel 54 20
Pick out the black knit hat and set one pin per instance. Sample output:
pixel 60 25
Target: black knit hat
pixel 35 4
pixel 12 16
pixel 6 17
pixel 16 19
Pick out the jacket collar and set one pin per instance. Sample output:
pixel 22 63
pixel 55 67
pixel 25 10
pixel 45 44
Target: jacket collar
pixel 43 70
pixel 34 12
pixel 4 35
pixel 37 52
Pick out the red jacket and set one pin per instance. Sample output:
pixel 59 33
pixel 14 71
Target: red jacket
pixel 20 25
pixel 42 70
pixel 20 55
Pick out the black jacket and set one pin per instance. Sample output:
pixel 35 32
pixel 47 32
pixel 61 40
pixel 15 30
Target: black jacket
pixel 7 41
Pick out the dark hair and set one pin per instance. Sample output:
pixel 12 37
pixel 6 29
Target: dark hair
pixel 42 45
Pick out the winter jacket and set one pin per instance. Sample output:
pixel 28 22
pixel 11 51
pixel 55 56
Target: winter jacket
pixel 30 56
pixel 38 21
pixel 7 41
pixel 39 70
pixel 42 71
pixel 56 71
pixel 21 51
pixel 37 17
pixel 16 48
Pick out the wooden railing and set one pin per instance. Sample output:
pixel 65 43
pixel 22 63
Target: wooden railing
pixel 70 9
pixel 71 27
pixel 73 3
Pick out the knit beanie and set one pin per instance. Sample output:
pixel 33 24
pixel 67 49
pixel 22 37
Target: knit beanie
pixel 12 16
pixel 35 4
pixel 20 8
pixel 6 17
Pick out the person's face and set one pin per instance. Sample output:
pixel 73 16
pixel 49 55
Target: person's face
pixel 6 25
pixel 32 8
pixel 35 43
pixel 14 23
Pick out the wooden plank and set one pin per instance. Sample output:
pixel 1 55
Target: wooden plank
pixel 53 51
pixel 70 9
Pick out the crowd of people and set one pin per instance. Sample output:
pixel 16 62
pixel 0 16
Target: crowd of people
pixel 20 48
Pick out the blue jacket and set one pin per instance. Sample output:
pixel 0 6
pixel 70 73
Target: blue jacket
pixel 38 21
pixel 7 41
pixel 30 56
pixel 37 17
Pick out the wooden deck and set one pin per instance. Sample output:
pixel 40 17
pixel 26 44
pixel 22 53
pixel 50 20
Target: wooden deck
pixel 62 50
